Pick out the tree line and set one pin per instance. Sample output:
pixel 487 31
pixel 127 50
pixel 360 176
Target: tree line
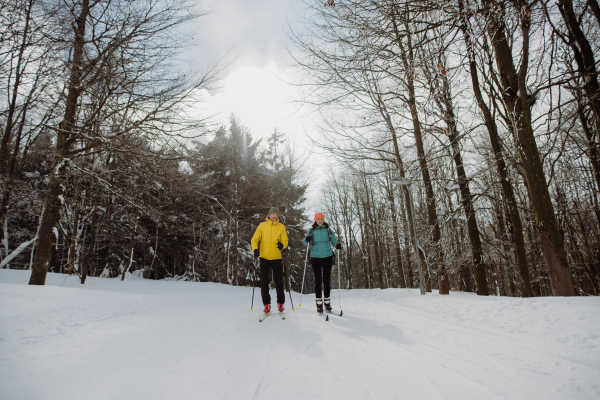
pixel 106 166
pixel 490 108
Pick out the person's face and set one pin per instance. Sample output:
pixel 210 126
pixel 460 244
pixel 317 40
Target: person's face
pixel 320 221
pixel 273 217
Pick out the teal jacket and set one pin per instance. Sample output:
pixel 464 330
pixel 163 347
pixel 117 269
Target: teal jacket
pixel 320 246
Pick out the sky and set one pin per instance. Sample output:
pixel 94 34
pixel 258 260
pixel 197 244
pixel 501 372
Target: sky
pixel 255 87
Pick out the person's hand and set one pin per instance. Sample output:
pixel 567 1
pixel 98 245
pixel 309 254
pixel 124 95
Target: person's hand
pixel 308 239
pixel 338 246
pixel 256 253
pixel 279 245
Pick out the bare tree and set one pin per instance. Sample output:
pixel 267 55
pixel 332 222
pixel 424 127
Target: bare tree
pixel 120 56
pixel 28 66
pixel 518 99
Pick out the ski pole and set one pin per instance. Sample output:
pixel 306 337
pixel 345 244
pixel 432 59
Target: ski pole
pixel 339 265
pixel 289 285
pixel 253 284
pixel 304 274
pixel 290 293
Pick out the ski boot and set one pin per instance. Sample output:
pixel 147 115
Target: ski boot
pixel 328 303
pixel 320 306
pixel 280 307
pixel 267 308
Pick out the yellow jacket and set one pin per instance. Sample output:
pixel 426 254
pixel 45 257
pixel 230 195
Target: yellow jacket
pixel 269 233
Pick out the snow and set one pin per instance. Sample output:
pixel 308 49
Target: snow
pixel 60 165
pixel 17 251
pixel 471 175
pixel 181 340
pixel 205 176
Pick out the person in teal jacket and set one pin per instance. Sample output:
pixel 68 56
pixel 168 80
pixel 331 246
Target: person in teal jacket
pixel 321 238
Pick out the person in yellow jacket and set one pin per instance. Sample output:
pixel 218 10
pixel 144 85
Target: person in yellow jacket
pixel 273 238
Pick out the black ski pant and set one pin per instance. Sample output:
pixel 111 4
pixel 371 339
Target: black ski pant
pixel 277 267
pixel 322 269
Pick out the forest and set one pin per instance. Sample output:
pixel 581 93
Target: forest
pixel 106 166
pixel 486 113
pixel 466 130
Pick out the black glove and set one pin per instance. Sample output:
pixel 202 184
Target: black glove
pixel 308 239
pixel 279 245
pixel 256 253
pixel 338 246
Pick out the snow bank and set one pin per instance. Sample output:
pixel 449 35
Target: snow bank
pixel 143 339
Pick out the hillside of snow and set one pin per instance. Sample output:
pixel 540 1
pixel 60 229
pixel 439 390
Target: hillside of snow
pixel 143 339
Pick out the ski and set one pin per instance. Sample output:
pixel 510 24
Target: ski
pixel 325 317
pixel 282 315
pixel 336 313
pixel 264 316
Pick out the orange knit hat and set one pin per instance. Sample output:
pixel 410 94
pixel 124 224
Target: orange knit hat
pixel 319 215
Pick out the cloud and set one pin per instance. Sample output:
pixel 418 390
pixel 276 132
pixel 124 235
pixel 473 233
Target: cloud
pixel 252 32
pixel 259 96
pixel 252 29
pixel 255 88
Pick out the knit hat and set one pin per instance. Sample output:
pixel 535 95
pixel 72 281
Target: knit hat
pixel 319 215
pixel 274 210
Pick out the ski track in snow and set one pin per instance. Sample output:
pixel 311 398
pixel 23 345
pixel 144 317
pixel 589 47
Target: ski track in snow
pixel 142 339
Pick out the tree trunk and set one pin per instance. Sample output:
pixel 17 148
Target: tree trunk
pixel 444 101
pixel 4 144
pixel 74 236
pixel 400 166
pixel 61 153
pixel 349 242
pixel 407 57
pixel 365 244
pixel 88 255
pixel 396 238
pixel 467 202
pixel 6 189
pixel 410 278
pixel 492 128
pixel 235 243
pixel 595 9
pixel 373 235
pixel 584 55
pixel 131 242
pixel 516 98
pixel 5 239
pixel 594 154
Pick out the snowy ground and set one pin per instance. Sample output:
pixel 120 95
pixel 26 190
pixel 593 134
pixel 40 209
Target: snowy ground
pixel 143 339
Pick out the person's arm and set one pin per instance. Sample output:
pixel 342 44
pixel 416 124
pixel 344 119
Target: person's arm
pixel 333 239
pixel 304 241
pixel 284 238
pixel 256 238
